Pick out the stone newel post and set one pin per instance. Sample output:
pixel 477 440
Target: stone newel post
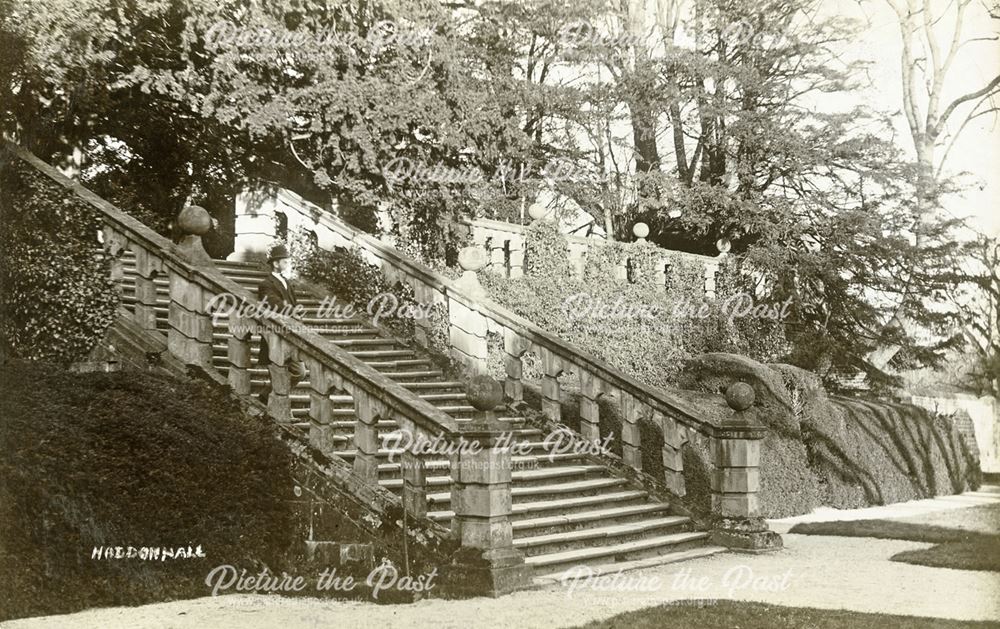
pixel 486 562
pixel 736 478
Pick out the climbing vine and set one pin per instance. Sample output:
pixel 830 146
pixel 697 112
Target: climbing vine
pixel 56 294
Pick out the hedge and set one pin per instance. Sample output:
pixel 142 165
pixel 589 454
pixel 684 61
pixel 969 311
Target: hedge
pixel 119 459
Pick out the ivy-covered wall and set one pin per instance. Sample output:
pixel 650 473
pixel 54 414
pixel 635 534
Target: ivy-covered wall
pixel 56 294
pixel 634 324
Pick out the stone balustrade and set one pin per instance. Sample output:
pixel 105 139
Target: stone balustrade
pixel 505 245
pixel 194 286
pixel 471 318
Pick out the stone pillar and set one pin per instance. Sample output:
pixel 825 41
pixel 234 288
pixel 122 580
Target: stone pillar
pixel 736 478
pixel 255 226
pixel 189 337
pixel 632 410
pixel 486 564
pixel 673 456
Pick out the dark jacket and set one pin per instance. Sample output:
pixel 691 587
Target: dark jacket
pixel 277 297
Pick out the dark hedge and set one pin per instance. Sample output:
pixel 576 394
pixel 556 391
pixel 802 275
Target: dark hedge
pixel 119 459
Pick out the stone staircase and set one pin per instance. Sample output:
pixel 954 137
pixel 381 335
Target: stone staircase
pixel 566 510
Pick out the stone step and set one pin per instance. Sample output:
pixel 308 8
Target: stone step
pixel 533 493
pixel 602 535
pixel 520 464
pixel 545 578
pixel 563 506
pixel 637 549
pixel 598 517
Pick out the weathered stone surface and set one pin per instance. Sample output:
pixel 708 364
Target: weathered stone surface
pixel 736 480
pixel 736 505
pixel 484 533
pixel 190 324
pixel 492 573
pixel 486 501
pixel 737 452
pixel 745 535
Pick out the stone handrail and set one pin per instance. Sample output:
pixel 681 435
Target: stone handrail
pixel 471 317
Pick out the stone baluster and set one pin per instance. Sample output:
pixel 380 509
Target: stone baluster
pixel 487 562
pixel 736 477
pixel 367 411
pixel 710 272
pixel 514 347
pixel 238 353
pixel 632 410
pixel 516 257
pixel 279 404
pixel 189 337
pixel 148 267
pixel 322 383
pixel 414 472
pixel 497 254
pixel 591 389
pixel 551 369
pixel 673 459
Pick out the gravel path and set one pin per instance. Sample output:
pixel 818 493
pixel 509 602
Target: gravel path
pixel 812 571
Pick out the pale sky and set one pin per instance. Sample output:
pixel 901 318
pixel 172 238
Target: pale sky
pixel 978 148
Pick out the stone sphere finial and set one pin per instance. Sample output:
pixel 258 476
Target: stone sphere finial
pixel 641 230
pixel 537 211
pixel 484 393
pixel 472 258
pixel 723 245
pixel 194 220
pixel 740 396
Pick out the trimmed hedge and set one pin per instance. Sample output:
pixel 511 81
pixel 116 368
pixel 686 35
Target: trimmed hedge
pixel 130 459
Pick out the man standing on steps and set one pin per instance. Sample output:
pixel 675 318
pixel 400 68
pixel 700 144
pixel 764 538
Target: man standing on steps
pixel 277 293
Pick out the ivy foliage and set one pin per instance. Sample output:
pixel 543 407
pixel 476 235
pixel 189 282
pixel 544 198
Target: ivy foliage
pixel 57 296
pixel 645 330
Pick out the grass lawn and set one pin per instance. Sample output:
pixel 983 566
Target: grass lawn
pixel 732 614
pixel 966 539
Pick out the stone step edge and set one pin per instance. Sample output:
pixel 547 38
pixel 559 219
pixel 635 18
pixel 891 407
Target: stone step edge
pixel 614 530
pixel 557 578
pixel 584 554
